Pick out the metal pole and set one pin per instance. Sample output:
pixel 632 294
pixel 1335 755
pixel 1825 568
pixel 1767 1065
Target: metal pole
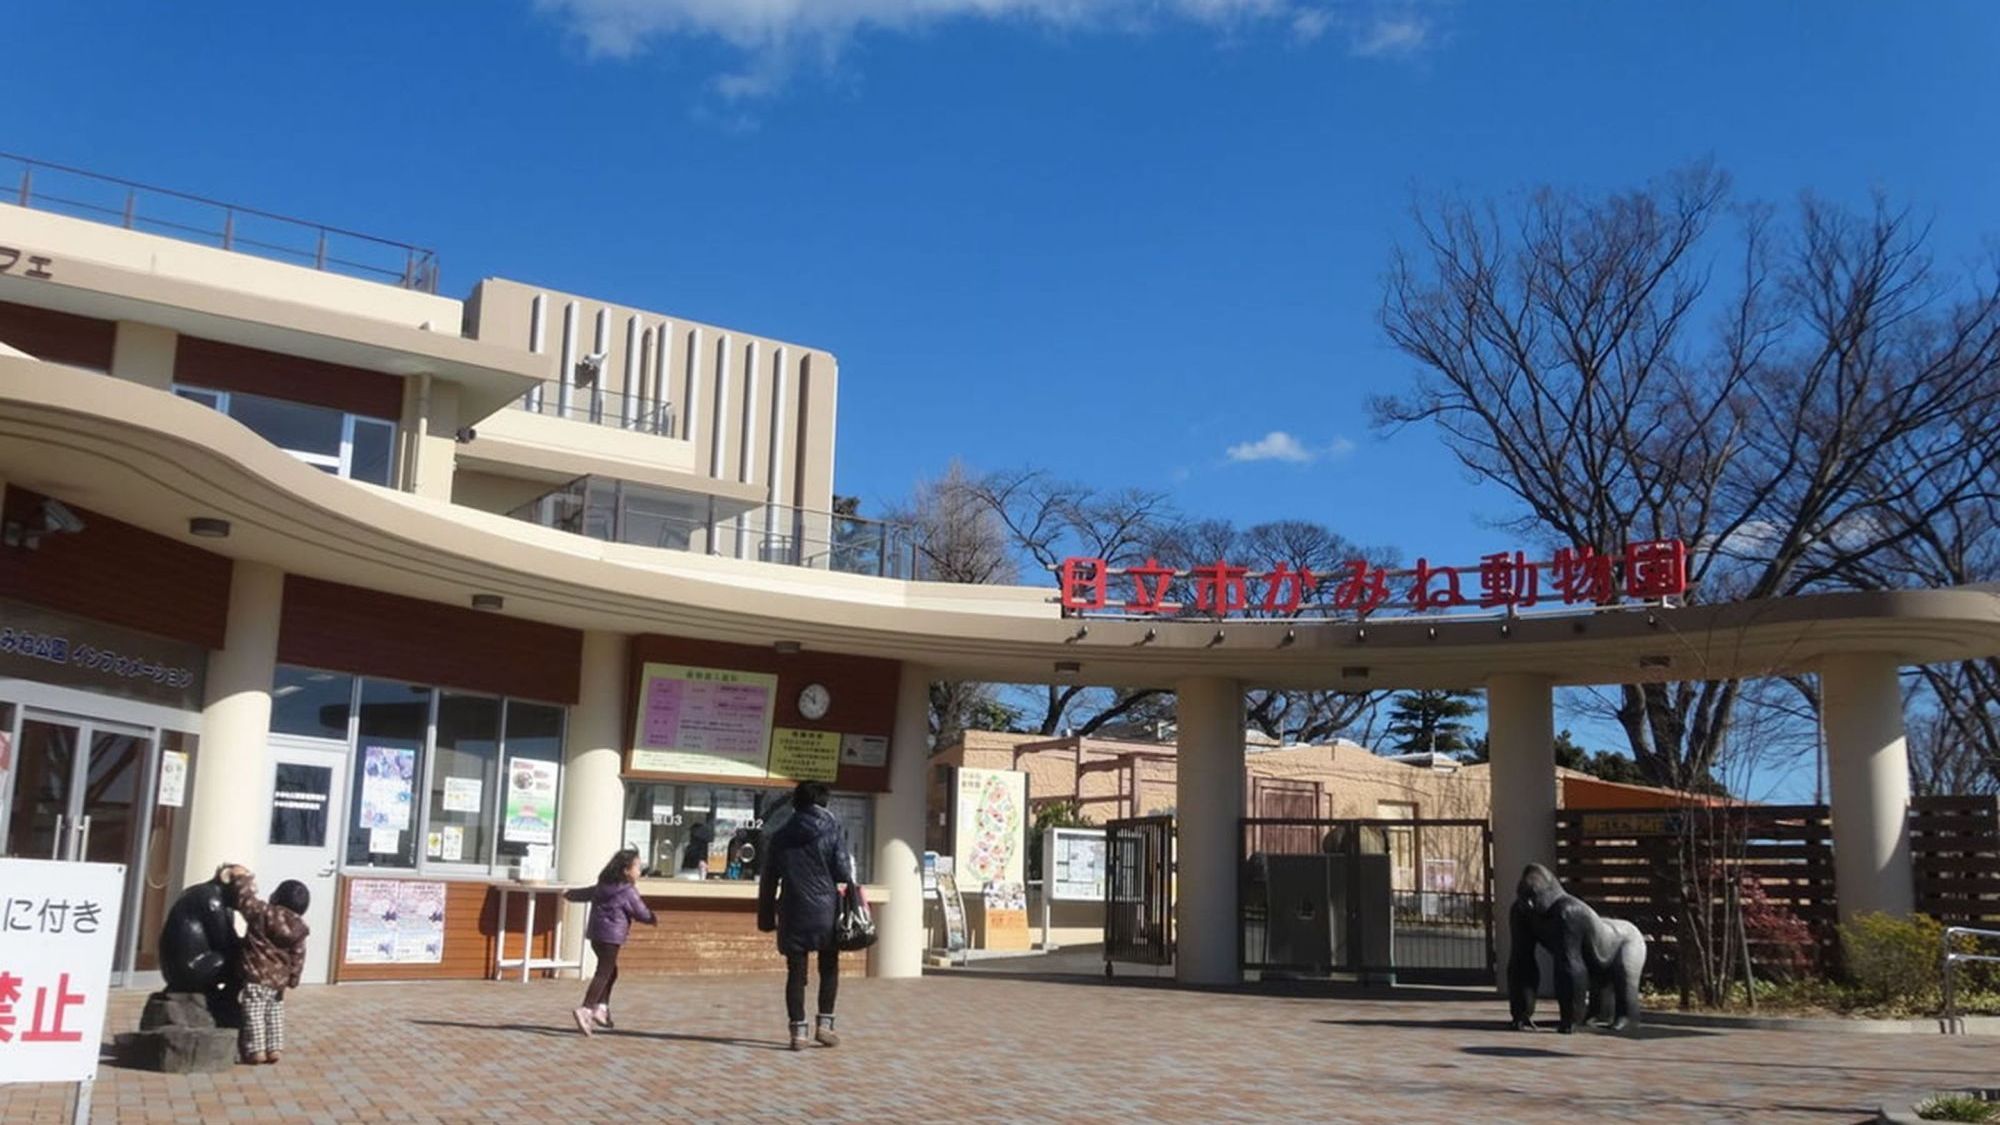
pixel 882 552
pixel 27 185
pixel 229 229
pixel 131 205
pixel 319 253
pixel 80 1106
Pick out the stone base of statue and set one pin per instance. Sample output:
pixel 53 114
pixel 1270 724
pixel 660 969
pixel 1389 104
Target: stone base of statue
pixel 178 1034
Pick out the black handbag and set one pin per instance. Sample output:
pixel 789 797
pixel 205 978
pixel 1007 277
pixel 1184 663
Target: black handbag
pixel 854 929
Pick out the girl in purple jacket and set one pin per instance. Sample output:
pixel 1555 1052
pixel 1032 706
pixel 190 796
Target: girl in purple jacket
pixel 614 905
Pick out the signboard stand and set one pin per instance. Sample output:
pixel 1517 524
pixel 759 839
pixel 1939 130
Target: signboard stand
pixel 953 909
pixel 57 950
pixel 1072 869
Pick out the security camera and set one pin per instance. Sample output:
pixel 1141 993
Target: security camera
pixel 590 367
pixel 56 517
pixel 465 434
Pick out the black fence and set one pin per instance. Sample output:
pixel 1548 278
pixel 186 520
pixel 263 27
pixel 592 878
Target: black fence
pixel 1139 891
pixel 1408 900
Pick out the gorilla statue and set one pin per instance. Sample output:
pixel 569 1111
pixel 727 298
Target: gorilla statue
pixel 1597 960
pixel 199 949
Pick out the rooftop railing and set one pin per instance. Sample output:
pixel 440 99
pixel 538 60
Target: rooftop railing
pixel 601 408
pixel 81 194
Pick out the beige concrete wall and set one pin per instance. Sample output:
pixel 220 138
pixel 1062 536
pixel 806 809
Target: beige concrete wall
pixel 734 398
pixel 224 269
pixel 144 353
pixel 493 492
pixel 1354 782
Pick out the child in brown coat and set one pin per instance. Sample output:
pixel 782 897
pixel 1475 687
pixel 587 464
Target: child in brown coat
pixel 274 954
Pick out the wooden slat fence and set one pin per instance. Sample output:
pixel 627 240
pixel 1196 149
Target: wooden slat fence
pixel 1955 848
pixel 1658 868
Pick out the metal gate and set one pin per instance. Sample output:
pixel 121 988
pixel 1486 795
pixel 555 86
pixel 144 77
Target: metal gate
pixel 1406 900
pixel 1139 891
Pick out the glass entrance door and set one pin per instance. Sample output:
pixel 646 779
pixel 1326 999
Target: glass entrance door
pixel 80 794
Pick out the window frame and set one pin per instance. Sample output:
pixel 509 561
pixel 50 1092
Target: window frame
pixel 340 465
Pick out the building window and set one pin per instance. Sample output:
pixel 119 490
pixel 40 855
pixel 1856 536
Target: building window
pixel 465 766
pixel 310 703
pixel 387 768
pixel 719 832
pixel 442 780
pixel 333 441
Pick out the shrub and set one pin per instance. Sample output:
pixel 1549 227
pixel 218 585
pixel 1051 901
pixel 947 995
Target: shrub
pixel 1783 941
pixel 1956 1107
pixel 1895 961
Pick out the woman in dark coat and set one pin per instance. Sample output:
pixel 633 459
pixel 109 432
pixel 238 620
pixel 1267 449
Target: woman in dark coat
pixel 805 865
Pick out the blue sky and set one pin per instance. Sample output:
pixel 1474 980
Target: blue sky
pixel 1110 238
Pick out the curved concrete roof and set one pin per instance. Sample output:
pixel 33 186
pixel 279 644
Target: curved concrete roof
pixel 150 459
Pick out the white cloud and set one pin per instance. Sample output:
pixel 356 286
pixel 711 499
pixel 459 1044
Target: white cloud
pixel 774 35
pixel 1396 36
pixel 1274 446
pixel 1342 446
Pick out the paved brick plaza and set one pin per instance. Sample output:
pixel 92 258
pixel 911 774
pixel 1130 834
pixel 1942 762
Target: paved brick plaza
pixel 988 1047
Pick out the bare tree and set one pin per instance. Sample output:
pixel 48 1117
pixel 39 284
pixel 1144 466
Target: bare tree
pixel 1580 354
pixel 959 538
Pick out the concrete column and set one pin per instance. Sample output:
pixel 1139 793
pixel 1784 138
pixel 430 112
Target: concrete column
pixel 1520 713
pixel 591 812
pixel 1868 773
pixel 144 353
pixel 1208 802
pixel 226 807
pixel 430 435
pixel 899 834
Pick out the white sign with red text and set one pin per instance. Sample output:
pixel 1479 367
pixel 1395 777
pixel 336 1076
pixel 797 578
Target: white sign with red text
pixel 58 927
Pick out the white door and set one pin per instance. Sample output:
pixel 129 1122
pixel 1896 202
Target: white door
pixel 304 795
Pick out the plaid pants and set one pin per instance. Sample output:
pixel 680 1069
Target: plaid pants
pixel 263 1020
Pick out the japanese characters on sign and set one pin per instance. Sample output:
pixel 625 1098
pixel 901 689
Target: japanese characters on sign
pixel 1577 576
pixel 58 925
pixel 37 265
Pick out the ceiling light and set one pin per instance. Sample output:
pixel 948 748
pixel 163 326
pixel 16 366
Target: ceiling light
pixel 208 527
pixel 1068 667
pixel 787 648
pixel 487 601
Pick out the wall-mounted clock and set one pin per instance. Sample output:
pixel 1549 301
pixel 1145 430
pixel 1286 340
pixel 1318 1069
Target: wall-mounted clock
pixel 814 701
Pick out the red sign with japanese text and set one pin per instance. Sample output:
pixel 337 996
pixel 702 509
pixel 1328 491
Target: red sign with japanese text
pixel 1646 571
pixel 58 927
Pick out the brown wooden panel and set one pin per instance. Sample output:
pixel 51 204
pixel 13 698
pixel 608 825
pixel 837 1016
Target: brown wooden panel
pixel 228 367
pixel 119 574
pixel 863 691
pixel 471 927
pixel 349 629
pixel 58 337
pixel 700 937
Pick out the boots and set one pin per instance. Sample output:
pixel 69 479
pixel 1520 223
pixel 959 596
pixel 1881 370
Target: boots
pixel 800 1037
pixel 824 1033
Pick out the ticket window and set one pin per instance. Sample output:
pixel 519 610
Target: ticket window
pixel 719 832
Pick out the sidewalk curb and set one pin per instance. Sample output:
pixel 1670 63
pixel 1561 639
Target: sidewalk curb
pixel 1972 1025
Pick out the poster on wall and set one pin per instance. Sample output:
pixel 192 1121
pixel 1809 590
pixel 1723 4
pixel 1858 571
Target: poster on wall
pixel 869 751
pixel 173 778
pixel 531 802
pixel 394 922
pixel 1006 915
pixel 462 794
pixel 386 787
pixel 990 827
pixel 451 846
pixel 804 755
pixel 703 721
pixel 1074 862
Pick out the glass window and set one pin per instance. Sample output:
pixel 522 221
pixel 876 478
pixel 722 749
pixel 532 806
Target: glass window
pixel 465 761
pixel 299 794
pixel 533 770
pixel 211 399
pixel 718 832
pixel 369 455
pixel 395 718
pixel 311 703
pixel 291 426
